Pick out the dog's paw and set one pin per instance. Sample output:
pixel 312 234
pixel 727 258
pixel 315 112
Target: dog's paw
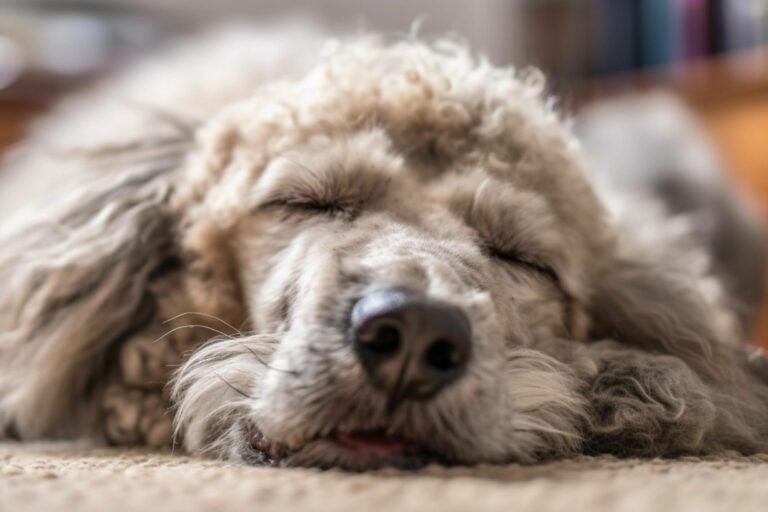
pixel 133 416
pixel 648 405
pixel 147 360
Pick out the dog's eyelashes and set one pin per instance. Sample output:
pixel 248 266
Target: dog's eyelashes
pixel 305 206
pixel 316 207
pixel 525 262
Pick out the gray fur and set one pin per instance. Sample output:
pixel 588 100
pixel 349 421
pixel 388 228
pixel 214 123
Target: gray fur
pixel 75 285
pixel 406 165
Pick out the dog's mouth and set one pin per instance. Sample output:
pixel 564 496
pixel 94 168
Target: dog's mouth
pixel 376 443
pixel 356 449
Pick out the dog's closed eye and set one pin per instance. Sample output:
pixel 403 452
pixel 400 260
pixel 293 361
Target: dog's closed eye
pixel 328 189
pixel 526 262
pixel 515 227
pixel 307 205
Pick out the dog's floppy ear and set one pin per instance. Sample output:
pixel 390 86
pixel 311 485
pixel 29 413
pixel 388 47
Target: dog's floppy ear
pixel 74 282
pixel 655 293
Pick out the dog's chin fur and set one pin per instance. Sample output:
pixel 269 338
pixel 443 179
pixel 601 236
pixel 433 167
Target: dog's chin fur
pixel 223 256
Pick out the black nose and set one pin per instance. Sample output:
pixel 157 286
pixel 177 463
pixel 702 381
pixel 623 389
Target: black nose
pixel 411 347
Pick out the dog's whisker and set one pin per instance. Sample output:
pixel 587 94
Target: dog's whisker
pixel 206 315
pixel 193 326
pixel 229 385
pixel 261 360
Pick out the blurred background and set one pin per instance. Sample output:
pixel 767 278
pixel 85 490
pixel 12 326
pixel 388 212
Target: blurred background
pixel 606 61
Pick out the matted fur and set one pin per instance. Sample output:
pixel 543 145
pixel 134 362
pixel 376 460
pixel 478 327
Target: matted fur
pixel 406 165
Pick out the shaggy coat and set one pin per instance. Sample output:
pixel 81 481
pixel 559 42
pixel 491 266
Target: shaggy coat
pixel 215 231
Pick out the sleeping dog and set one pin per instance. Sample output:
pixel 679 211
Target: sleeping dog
pixel 387 254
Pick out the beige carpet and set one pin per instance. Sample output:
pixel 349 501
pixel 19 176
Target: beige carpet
pixel 69 477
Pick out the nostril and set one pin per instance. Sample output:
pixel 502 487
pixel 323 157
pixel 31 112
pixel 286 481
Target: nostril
pixel 385 340
pixel 443 356
pixel 409 346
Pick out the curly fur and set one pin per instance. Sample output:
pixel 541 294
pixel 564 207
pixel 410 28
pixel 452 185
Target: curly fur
pixel 387 165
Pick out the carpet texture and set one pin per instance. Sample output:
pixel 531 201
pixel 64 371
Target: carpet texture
pixel 69 477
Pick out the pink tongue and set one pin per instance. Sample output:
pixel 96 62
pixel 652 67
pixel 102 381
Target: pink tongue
pixel 373 444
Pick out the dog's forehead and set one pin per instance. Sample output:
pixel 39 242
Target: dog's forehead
pixel 435 114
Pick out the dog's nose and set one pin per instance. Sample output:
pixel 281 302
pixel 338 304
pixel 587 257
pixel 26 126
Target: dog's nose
pixel 410 347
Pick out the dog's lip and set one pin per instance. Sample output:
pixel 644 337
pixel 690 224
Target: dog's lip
pixel 376 443
pixel 368 445
pixel 272 450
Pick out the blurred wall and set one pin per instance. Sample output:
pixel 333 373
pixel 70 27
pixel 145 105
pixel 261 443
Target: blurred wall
pixel 490 26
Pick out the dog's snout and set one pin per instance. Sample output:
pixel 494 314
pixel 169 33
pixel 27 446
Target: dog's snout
pixel 410 347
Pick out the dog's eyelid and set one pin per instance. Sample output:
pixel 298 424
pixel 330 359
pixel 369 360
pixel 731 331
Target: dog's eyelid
pixel 305 204
pixel 527 261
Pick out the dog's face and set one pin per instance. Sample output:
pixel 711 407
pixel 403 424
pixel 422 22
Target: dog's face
pixel 405 304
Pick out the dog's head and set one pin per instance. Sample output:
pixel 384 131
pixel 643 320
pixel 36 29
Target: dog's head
pixel 413 239
pixel 407 241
